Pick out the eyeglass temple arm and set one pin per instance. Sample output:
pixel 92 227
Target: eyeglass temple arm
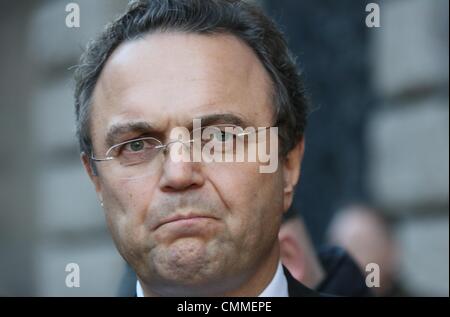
pixel 101 159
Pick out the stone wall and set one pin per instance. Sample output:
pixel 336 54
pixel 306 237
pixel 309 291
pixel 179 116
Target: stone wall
pixel 48 196
pixel 407 136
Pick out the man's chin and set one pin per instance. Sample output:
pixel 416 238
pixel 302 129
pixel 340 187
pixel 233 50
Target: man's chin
pixel 187 259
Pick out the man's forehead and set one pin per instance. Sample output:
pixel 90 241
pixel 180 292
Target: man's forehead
pixel 173 52
pixel 174 60
pixel 176 75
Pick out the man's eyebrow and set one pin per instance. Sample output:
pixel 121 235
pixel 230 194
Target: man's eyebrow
pixel 122 128
pixel 118 129
pixel 223 118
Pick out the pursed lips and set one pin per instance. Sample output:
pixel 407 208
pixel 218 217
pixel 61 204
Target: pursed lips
pixel 175 218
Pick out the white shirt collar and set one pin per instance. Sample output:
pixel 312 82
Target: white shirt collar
pixel 139 291
pixel 278 287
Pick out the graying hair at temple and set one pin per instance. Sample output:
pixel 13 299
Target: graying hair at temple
pixel 239 18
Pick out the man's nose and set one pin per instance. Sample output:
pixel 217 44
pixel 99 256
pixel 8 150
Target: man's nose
pixel 180 175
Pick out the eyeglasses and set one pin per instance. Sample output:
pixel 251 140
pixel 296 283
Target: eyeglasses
pixel 138 157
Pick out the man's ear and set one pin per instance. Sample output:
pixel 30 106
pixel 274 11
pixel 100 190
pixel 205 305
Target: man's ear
pixel 92 175
pixel 291 171
pixel 292 255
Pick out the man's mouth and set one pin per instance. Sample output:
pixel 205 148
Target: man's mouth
pixel 183 219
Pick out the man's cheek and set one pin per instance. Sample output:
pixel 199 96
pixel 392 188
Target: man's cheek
pixel 241 225
pixel 129 236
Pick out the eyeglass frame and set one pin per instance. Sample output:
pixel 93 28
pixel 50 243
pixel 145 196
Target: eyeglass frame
pixel 165 146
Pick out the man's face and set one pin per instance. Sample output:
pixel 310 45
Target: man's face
pixel 167 80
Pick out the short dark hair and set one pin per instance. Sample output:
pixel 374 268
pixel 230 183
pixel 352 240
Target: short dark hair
pixel 239 18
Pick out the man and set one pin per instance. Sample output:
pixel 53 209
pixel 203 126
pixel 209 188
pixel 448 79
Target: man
pixel 192 228
pixel 297 251
pixel 367 235
pixel 330 270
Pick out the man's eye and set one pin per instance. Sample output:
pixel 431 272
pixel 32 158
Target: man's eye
pixel 223 136
pixel 135 146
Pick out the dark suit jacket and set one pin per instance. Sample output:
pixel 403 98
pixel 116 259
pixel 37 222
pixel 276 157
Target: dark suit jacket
pixel 295 288
pixel 343 276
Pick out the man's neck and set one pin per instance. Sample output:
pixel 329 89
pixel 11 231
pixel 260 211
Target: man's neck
pixel 261 278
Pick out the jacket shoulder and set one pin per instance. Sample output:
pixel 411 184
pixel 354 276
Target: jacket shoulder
pixel 297 289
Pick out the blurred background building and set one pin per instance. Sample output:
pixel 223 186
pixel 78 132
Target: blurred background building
pixel 378 136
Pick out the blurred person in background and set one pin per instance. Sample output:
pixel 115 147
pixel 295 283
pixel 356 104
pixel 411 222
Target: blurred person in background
pixel 329 270
pixel 368 237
